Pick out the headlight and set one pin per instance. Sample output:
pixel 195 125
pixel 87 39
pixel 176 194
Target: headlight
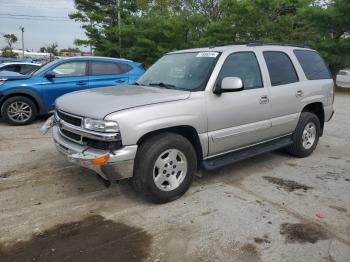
pixel 101 125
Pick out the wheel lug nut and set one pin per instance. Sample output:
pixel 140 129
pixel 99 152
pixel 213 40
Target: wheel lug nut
pixel 174 166
pixel 173 172
pixel 164 172
pixel 171 162
pixel 167 175
pixel 166 165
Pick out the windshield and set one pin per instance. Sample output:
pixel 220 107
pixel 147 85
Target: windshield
pixel 184 71
pixel 43 68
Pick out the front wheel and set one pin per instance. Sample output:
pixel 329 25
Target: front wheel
pixel 164 167
pixel 306 135
pixel 18 111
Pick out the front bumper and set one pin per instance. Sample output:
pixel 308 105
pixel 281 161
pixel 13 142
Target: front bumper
pixel 120 164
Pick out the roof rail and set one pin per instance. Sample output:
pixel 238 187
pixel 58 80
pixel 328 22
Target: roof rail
pixel 281 44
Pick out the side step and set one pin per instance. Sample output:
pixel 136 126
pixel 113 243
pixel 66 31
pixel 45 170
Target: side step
pixel 236 156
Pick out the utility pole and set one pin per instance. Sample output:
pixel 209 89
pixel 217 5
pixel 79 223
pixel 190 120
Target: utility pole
pixel 22 30
pixel 119 22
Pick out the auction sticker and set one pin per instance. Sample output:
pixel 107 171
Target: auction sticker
pixel 207 54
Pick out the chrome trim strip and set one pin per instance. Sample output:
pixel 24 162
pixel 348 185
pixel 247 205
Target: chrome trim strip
pixel 65 113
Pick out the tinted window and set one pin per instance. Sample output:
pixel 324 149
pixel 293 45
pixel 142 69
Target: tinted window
pixel 28 69
pixel 105 68
pixel 313 65
pixel 70 69
pixel 12 68
pixel 245 66
pixel 280 68
pixel 125 67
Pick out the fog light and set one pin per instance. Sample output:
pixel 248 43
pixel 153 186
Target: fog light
pixel 100 160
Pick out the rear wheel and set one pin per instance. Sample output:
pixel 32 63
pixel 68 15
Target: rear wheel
pixel 306 135
pixel 18 110
pixel 164 167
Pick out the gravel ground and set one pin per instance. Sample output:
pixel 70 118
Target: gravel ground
pixel 269 208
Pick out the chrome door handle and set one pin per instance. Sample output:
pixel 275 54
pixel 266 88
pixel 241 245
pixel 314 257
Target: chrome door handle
pixel 264 99
pixel 299 93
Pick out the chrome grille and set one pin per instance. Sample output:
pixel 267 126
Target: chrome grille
pixel 73 120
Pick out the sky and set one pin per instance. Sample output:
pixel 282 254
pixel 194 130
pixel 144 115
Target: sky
pixel 38 33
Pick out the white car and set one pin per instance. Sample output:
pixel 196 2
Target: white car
pixel 19 67
pixel 343 78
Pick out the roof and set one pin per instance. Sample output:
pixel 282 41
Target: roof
pixel 251 46
pixel 95 58
pixel 18 63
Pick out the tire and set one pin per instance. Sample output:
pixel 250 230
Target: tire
pixel 19 111
pixel 156 160
pixel 306 135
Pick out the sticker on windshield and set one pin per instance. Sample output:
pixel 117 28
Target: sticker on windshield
pixel 207 54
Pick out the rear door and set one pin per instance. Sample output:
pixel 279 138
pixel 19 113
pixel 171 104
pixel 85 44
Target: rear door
pixel 285 90
pixel 242 118
pixel 103 73
pixel 69 76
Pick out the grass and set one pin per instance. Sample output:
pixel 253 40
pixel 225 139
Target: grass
pixel 342 90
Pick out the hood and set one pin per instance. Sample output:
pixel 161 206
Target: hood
pixel 9 75
pixel 98 102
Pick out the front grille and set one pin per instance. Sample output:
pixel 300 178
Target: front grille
pixel 71 135
pixel 76 121
pixel 105 145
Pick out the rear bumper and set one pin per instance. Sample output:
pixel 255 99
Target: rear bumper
pixel 120 164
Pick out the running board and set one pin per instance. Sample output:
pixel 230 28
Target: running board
pixel 236 156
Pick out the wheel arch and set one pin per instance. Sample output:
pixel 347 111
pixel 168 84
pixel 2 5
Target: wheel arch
pixel 30 95
pixel 318 110
pixel 189 132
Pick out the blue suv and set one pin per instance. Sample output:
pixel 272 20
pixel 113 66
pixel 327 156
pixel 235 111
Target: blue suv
pixel 25 97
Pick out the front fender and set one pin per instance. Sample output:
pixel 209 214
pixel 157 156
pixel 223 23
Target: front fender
pixel 136 122
pixel 26 92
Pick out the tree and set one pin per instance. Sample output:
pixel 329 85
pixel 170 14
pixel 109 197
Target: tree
pixel 51 48
pixel 10 39
pixel 143 30
pixel 329 29
pixel 7 52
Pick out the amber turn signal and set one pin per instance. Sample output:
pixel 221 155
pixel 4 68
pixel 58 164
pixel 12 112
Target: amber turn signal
pixel 100 160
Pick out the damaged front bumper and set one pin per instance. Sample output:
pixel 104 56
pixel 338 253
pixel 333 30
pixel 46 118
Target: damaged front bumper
pixel 119 164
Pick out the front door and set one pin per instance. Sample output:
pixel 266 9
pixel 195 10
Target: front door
pixel 242 118
pixel 69 77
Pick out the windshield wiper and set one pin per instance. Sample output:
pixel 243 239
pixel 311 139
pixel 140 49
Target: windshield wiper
pixel 161 84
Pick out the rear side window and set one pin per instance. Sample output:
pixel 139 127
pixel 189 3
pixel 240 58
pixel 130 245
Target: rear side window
pixel 125 68
pixel 313 65
pixel 281 69
pixel 12 68
pixel 27 69
pixel 109 68
pixel 245 66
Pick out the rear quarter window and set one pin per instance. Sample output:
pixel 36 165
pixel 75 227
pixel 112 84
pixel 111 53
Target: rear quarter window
pixel 312 64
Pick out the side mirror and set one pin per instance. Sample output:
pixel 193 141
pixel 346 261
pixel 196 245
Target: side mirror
pixel 50 74
pixel 229 84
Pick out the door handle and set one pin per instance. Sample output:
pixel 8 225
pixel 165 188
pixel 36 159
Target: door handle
pixel 299 93
pixel 264 99
pixel 81 83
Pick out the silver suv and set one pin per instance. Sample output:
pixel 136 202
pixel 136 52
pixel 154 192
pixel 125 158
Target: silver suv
pixel 198 108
